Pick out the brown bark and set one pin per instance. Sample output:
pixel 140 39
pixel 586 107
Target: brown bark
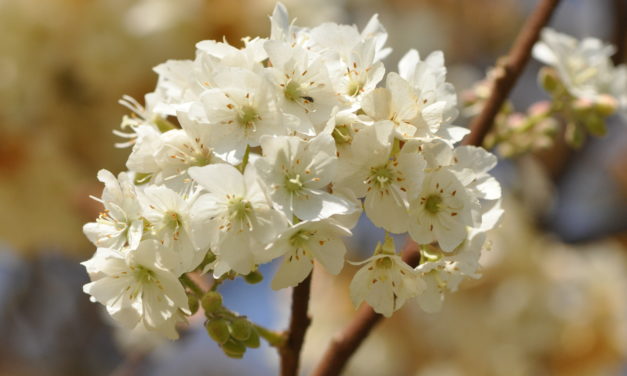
pixel 289 352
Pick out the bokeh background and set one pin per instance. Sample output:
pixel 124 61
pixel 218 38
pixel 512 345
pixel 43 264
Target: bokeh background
pixel 553 299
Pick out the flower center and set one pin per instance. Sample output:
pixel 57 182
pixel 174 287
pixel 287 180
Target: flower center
pixel 381 177
pixel 200 160
pixel 293 91
pixel 239 208
pixel 300 238
pixel 143 275
pixel 293 184
pixel 354 87
pixel 433 204
pixel 247 116
pixel 384 263
pixel 172 220
pixel 341 134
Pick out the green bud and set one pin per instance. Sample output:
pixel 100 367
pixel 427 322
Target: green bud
pixel 240 329
pixel 253 277
pixel 605 105
pixel 211 302
pixel 218 330
pixel 234 349
pixel 582 105
pixel 574 135
pixel 192 301
pixel 595 125
pixel 253 340
pixel 549 80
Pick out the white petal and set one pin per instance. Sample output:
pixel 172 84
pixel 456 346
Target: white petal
pixel 387 211
pixel 330 254
pixel 220 179
pixel 293 270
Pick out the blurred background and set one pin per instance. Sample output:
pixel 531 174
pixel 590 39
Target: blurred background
pixel 553 299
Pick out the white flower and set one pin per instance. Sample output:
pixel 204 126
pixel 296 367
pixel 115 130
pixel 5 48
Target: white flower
pixel 387 183
pixel 120 224
pixel 436 97
pixel 136 288
pixel 297 173
pixel 183 148
pixel 343 127
pixel 397 103
pixel 169 215
pixel 444 271
pixel 173 85
pixel 213 56
pixel 304 243
pixel 385 282
pixel 584 66
pixel 303 89
pixel 148 116
pixel 147 142
pixel 469 163
pixel 442 211
pixel 240 109
pixel 235 217
pixel 352 59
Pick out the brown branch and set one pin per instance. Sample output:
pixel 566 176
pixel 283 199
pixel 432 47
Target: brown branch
pixel 510 70
pixel 289 352
pixel 620 29
pixel 346 343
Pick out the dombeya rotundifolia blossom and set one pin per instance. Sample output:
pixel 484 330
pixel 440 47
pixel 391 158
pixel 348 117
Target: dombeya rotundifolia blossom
pixel 120 224
pixel 235 217
pixel 385 282
pixel 304 243
pixel 136 288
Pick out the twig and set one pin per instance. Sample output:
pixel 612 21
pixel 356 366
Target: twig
pixel 346 343
pixel 620 29
pixel 510 70
pixel 191 285
pixel 295 334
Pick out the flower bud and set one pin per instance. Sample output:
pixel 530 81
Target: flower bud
pixel 211 302
pixel 582 105
pixel 540 109
pixel 253 277
pixel 240 329
pixel 253 340
pixel 595 125
pixel 218 330
pixel 574 135
pixel 234 349
pixel 605 105
pixel 549 80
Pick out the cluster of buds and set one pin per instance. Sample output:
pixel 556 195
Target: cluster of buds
pixel 516 133
pixel 273 151
pixel 585 88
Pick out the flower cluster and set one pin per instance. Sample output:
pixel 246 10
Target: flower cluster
pixel 585 86
pixel 245 155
